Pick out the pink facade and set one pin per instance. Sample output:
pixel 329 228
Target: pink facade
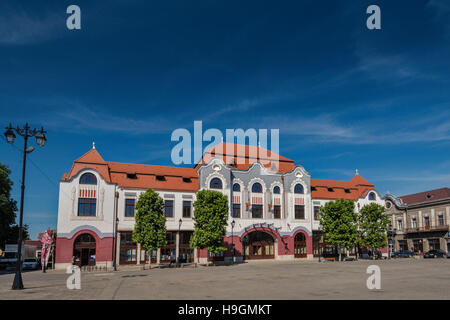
pixel 65 246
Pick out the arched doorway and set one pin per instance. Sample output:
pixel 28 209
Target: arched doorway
pixel 84 250
pixel 259 245
pixel 300 245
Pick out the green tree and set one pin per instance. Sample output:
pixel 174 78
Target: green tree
pixel 339 223
pixel 8 206
pixel 373 224
pixel 150 226
pixel 13 234
pixel 210 221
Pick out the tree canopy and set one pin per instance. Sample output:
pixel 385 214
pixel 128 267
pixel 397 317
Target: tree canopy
pixel 210 221
pixel 8 208
pixel 339 223
pixel 150 222
pixel 373 224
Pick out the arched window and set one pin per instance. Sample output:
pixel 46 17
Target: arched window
pixel 298 189
pixel 88 178
pixel 215 183
pixel 276 190
pixel 257 188
pixel 236 187
pixel 372 196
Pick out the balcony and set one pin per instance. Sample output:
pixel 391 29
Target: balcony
pixel 443 227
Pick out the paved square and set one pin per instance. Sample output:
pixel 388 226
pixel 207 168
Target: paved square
pixel 400 279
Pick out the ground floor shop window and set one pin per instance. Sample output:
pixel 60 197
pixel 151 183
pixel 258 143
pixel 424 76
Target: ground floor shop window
pixel 418 246
pixel 434 244
pixel 402 245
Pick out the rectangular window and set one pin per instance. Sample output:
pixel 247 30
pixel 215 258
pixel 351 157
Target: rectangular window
pixel 426 221
pixel 257 211
pixel 86 206
pixel 277 212
pixel 317 213
pixel 129 207
pixel 186 209
pixel 400 224
pixel 441 220
pixel 299 211
pixel 236 210
pixel 413 223
pixel 168 208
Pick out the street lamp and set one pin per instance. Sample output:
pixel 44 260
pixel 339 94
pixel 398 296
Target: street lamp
pixel 179 235
pixel 232 238
pixel 26 132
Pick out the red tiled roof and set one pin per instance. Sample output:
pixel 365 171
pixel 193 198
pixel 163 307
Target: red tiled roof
pixel 244 156
pixel 357 187
pixel 426 196
pixel 116 172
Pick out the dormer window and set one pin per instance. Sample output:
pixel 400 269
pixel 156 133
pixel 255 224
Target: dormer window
pixel 330 190
pixel 313 189
pixel 161 178
pixel 88 178
pixel 429 196
pixel 187 180
pixel 131 175
pixel 347 190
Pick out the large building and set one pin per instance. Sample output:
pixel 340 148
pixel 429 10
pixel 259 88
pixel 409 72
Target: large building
pixel 420 221
pixel 273 203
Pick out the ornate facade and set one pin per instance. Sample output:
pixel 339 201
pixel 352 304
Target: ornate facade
pixel 273 207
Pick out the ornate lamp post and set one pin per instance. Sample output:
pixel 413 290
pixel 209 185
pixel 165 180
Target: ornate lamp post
pixel 232 238
pixel 26 132
pixel 179 235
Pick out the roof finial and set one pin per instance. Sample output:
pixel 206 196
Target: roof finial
pixel 356 171
pixel 93 145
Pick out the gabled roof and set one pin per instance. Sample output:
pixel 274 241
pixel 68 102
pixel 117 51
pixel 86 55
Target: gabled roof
pixel 426 196
pixel 356 188
pixel 92 156
pixel 241 157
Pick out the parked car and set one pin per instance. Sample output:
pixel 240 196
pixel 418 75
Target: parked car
pixel 402 254
pixel 30 263
pixel 435 254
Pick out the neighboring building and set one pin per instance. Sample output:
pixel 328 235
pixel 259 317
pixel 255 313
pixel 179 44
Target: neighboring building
pixel 420 221
pixel 273 202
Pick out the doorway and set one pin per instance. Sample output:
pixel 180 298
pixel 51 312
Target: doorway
pixel 259 245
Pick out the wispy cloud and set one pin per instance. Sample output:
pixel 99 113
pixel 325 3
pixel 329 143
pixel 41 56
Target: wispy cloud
pixel 18 27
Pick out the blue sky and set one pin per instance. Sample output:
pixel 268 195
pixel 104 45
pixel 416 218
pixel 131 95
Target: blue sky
pixel 343 97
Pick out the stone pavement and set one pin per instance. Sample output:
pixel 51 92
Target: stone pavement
pixel 400 279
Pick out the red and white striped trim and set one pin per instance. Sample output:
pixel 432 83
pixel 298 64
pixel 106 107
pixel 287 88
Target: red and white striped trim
pixel 277 201
pixel 299 201
pixel 236 199
pixel 87 193
pixel 257 200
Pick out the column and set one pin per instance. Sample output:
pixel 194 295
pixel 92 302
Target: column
pixel 118 249
pixel 138 253
pixel 158 256
pixel 177 248
pixel 433 219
